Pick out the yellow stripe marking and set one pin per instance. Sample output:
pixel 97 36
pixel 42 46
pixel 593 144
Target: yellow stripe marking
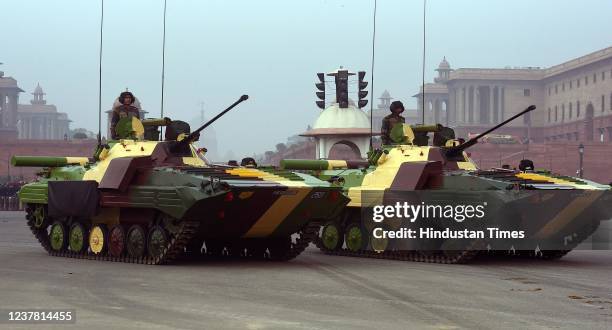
pixel 273 217
pixel 540 177
pixel 567 214
pixel 336 164
pixel 255 173
pixel 77 160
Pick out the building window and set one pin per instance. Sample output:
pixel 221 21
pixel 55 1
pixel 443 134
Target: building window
pixel 556 89
pixel 556 114
pixel 562 112
pixel 548 91
pixel 526 92
pixel 570 111
pixel 563 87
pixel 603 98
pixel 549 115
pixel 577 83
pixel 594 77
pixel 603 75
pixel 570 84
pixel 577 109
pixel 586 80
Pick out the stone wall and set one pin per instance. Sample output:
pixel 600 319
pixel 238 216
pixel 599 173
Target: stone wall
pixel 74 148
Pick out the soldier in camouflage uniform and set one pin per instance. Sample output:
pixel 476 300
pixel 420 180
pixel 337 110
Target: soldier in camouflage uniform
pixel 124 110
pixel 391 120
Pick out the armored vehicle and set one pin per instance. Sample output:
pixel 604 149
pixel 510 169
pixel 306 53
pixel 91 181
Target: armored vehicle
pixel 146 201
pixel 453 209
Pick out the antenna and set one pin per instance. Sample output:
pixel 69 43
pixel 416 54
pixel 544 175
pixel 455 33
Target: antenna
pixel 372 80
pixel 100 76
pixel 423 76
pixel 163 67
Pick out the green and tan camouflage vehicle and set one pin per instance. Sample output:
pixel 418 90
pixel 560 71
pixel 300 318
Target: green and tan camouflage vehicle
pixel 146 201
pixel 521 211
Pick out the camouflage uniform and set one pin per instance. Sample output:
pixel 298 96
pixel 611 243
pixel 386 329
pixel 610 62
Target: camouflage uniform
pixel 387 125
pixel 122 111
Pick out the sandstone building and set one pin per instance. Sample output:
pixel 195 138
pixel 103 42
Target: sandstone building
pixel 573 99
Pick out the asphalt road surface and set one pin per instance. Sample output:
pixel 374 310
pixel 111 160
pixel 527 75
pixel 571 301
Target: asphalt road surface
pixel 314 291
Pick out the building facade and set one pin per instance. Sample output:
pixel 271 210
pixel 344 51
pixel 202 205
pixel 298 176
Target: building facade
pixel 41 121
pixel 9 98
pixel 573 99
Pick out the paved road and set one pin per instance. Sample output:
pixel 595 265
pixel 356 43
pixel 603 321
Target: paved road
pixel 314 291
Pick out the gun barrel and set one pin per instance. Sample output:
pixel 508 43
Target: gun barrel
pixel 193 134
pixel 474 140
pixel 426 128
pixel 156 121
pixel 318 165
pixel 47 161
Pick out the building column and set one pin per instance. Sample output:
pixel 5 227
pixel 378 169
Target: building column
pixel 476 105
pixel 451 108
pixel 436 111
pixel 12 117
pixel 463 107
pixel 500 117
pixel 503 104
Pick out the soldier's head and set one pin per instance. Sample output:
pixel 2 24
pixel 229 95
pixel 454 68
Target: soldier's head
pixel 126 98
pixel 396 107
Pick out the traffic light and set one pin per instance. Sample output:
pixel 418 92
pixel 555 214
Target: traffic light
pixel 342 88
pixel 362 93
pixel 321 93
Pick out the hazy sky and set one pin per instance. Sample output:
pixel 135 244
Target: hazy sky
pixel 271 50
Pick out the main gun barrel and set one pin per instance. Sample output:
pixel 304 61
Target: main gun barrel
pixel 458 149
pixel 195 133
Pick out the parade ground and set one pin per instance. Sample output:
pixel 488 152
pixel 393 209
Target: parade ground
pixel 313 291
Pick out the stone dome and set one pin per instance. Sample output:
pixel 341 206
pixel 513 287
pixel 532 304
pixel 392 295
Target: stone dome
pixel 336 117
pixel 38 89
pixel 444 64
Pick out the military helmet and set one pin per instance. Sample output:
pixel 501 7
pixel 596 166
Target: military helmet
pixel 396 105
pixel 125 94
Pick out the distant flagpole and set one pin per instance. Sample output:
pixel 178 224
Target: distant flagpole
pixel 100 76
pixel 163 66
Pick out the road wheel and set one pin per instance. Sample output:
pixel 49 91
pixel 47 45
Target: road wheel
pixel 157 242
pixel 40 216
pixel 77 241
pixel 57 236
pixel 116 241
pixel 136 241
pixel 331 236
pixel 355 237
pixel 98 239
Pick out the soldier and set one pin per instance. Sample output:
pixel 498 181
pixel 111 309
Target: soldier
pixel 123 110
pixel 391 120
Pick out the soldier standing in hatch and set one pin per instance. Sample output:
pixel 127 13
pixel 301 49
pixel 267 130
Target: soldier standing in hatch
pixel 391 120
pixel 124 110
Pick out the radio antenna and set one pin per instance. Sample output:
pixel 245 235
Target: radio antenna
pixel 372 80
pixel 163 67
pixel 423 75
pixel 100 76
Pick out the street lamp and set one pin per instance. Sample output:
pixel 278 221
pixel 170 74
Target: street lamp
pixel 581 152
